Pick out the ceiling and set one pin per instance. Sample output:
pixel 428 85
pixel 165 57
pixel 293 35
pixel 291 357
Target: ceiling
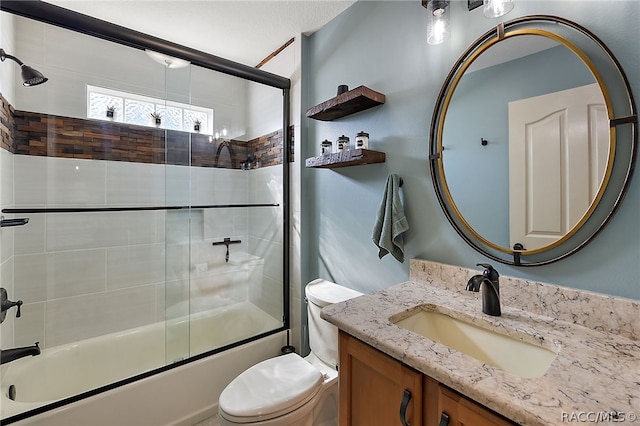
pixel 240 30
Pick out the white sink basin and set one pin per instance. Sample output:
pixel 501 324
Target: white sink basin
pixel 498 350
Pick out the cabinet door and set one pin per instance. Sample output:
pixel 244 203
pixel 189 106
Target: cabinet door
pixel 374 387
pixel 461 411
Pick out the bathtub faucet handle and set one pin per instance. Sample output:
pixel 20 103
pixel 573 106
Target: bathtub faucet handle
pixel 6 304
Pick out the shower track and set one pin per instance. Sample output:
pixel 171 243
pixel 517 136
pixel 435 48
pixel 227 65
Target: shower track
pixel 129 209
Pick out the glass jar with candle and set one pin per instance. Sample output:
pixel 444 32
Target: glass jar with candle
pixel 343 143
pixel 326 147
pixel 362 140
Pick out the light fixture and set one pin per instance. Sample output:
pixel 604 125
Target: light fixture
pixel 166 60
pixel 30 77
pixel 437 20
pixel 496 8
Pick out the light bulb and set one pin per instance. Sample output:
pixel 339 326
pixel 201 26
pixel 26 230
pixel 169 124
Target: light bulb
pixel 437 22
pixel 496 8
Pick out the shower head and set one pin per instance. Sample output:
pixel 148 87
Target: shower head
pixel 30 76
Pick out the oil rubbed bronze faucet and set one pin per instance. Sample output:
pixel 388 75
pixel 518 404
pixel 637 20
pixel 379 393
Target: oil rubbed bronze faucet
pixel 9 355
pixel 6 304
pixel 490 289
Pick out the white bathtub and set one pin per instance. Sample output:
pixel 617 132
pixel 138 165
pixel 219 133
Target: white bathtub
pixel 183 395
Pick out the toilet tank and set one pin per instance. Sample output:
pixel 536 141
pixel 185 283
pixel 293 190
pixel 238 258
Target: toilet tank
pixel 323 336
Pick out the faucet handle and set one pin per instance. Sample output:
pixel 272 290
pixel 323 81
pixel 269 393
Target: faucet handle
pixel 489 271
pixel 6 304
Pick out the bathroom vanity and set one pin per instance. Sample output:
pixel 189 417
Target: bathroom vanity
pixel 564 353
pixel 373 385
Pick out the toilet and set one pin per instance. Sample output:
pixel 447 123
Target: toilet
pixel 290 390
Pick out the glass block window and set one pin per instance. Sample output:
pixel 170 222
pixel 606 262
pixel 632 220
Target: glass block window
pixel 192 118
pixel 171 117
pixel 139 112
pixel 123 107
pixel 102 106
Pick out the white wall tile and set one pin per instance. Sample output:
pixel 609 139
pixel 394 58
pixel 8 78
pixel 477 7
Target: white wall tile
pixel 130 266
pixel 271 252
pixel 40 277
pixel 30 180
pixel 6 282
pixel 241 221
pixel 6 178
pixel 135 184
pixel 29 239
pixel 265 185
pixel 207 291
pixel 177 262
pixel 6 276
pixel 172 299
pixel 75 182
pixel 266 223
pixel 6 243
pixel 271 298
pixel 160 219
pixel 202 188
pixel 219 223
pixel 78 318
pixel 69 231
pixel 184 226
pixel 178 185
pixel 219 186
pixel 30 326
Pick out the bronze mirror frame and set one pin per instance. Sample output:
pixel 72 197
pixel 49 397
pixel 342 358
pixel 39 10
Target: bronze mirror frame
pixel 618 97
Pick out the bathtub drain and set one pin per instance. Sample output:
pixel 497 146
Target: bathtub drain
pixel 12 392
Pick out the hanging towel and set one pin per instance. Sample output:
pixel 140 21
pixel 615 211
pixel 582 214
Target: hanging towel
pixel 391 222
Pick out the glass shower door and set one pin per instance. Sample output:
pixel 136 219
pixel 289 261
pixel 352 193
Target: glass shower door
pixel 180 224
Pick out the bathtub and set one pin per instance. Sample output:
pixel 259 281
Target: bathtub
pixel 185 394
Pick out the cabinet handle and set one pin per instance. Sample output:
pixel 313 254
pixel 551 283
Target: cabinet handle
pixel 403 407
pixel 444 419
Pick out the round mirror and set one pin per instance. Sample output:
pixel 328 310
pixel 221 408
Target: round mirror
pixel 524 140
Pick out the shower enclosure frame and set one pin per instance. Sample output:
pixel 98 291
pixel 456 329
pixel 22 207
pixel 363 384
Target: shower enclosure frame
pixel 74 21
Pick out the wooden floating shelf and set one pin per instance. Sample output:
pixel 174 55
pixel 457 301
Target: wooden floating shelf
pixel 353 157
pixel 355 100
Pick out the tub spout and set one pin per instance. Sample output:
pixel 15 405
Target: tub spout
pixel 9 355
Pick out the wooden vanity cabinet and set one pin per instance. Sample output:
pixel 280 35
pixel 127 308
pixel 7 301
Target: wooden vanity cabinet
pixel 373 387
pixel 445 407
pixel 378 390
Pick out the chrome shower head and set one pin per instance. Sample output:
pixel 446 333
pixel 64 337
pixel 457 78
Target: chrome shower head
pixel 30 76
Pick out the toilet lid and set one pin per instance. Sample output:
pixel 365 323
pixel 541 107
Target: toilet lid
pixel 271 388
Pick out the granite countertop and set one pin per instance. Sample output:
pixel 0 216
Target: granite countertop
pixel 594 371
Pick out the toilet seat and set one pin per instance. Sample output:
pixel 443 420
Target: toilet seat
pixel 270 389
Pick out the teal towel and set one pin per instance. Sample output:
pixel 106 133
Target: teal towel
pixel 391 222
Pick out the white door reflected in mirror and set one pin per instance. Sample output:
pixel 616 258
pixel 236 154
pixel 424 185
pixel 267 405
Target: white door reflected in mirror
pixel 548 194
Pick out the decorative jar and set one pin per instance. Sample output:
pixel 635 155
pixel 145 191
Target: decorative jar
pixel 362 140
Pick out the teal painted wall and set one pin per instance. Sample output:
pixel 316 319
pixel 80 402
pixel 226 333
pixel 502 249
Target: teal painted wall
pixel 382 44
